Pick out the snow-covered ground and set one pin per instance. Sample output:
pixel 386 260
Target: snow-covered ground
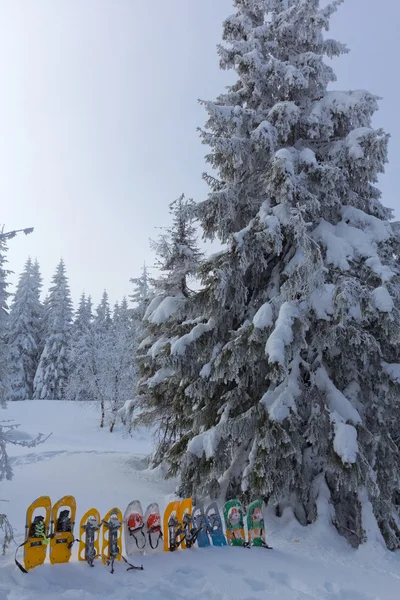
pixel 103 470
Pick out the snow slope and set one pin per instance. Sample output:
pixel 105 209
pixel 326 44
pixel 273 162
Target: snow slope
pixel 103 470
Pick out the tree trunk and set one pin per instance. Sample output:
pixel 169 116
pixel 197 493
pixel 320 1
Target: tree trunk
pixel 102 413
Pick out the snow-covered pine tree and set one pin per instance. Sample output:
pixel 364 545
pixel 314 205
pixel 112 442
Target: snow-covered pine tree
pixel 78 387
pixel 53 369
pixel 24 333
pixel 142 293
pixel 161 392
pixel 121 364
pixel 293 362
pixel 4 295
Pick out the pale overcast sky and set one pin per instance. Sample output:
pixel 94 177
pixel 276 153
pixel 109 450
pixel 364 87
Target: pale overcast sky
pixel 98 117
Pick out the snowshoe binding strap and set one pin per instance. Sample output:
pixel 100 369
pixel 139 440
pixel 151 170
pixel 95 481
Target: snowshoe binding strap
pixel 135 528
pixel 36 530
pixel 113 525
pixel 154 526
pixel 215 523
pixel 64 522
pixel 20 567
pixel 131 567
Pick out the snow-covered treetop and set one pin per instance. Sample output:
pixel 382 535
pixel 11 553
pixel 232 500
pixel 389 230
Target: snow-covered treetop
pixel 103 313
pixel 280 100
pixel 142 292
pixel 177 251
pixel 84 315
pixel 59 309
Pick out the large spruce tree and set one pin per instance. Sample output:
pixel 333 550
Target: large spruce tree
pixel 290 372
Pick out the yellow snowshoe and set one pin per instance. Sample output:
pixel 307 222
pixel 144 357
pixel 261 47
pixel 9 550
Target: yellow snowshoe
pixel 62 530
pixel 36 533
pixel 89 533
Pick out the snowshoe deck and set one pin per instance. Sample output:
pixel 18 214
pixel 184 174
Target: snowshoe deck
pixel 256 525
pixel 89 531
pixel 200 523
pixel 135 538
pixel 111 546
pixel 234 523
pixel 215 527
pixel 36 532
pixel 62 530
pixel 172 527
pixel 152 529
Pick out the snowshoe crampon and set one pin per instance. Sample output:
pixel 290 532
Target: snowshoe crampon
pixel 89 530
pixel 36 532
pixel 185 519
pixel 234 523
pixel 111 537
pixel 62 529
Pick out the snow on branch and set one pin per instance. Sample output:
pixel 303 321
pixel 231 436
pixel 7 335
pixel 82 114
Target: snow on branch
pixel 263 317
pixel 321 300
pixel 392 370
pixel 382 300
pixel 345 243
pixel 178 347
pixel 160 311
pixel 345 442
pixel 376 229
pixel 281 400
pixel 282 335
pixel 341 408
pixel 159 377
pixel 205 443
pixel 345 435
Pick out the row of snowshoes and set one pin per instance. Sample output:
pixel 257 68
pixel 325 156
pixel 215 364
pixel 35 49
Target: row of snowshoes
pixel 186 525
pixel 54 528
pixel 183 525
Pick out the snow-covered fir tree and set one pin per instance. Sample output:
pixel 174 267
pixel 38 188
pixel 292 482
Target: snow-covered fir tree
pixel 121 364
pixel 291 373
pixel 24 333
pixel 161 396
pixel 4 295
pixel 142 294
pixel 77 387
pixel 53 369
